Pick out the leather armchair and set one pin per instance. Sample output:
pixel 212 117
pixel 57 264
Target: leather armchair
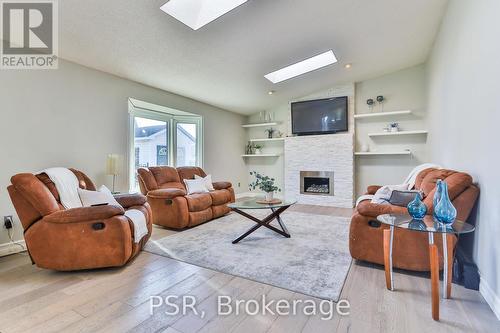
pixel 78 238
pixel 171 205
pixel 410 248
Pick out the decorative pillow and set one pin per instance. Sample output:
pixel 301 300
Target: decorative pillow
pixel 208 182
pixel 101 196
pixel 195 186
pixel 403 198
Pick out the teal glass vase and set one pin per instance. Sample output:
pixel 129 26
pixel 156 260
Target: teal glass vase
pixel 437 197
pixel 445 212
pixel 417 209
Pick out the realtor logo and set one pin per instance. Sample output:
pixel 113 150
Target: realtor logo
pixel 29 34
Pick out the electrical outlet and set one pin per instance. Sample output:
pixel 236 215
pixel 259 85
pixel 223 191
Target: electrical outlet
pixel 8 222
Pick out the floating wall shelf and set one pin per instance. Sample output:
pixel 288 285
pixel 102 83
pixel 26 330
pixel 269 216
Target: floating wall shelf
pixel 260 155
pixel 381 114
pixel 259 125
pixel 397 133
pixel 267 140
pixel 375 153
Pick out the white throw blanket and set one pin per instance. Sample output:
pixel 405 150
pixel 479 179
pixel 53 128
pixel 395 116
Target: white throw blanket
pixel 384 193
pixel 66 184
pixel 139 221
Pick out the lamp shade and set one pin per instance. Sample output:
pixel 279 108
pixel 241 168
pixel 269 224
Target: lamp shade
pixel 112 164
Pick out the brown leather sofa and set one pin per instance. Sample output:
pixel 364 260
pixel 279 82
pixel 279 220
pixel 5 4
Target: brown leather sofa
pixel 171 205
pixel 79 238
pixel 410 249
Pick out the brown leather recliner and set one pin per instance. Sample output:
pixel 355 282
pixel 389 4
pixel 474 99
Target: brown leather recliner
pixel 171 205
pixel 79 238
pixel 410 248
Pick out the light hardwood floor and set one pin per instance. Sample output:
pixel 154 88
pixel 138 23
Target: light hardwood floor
pixel 118 300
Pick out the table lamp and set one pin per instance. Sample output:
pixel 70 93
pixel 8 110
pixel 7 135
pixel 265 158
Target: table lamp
pixel 112 167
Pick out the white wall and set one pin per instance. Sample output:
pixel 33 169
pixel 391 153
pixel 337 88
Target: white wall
pixel 403 90
pixel 74 116
pixel 464 85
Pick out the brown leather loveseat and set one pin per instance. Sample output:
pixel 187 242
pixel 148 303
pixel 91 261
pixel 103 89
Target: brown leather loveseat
pixel 410 249
pixel 171 205
pixel 78 238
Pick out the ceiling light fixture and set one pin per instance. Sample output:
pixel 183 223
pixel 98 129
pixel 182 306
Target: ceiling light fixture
pixel 348 66
pixel 302 67
pixel 270 92
pixel 197 13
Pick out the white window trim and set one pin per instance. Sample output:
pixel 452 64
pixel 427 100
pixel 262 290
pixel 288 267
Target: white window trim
pixel 172 117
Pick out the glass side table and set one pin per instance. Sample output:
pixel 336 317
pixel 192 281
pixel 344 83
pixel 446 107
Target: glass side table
pixel 430 226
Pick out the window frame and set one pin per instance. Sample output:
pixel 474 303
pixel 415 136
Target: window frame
pixel 172 117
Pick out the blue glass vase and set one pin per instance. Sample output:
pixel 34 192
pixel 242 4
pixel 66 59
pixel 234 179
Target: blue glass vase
pixel 417 209
pixel 437 197
pixel 445 212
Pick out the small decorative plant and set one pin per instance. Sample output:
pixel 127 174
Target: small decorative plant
pixel 257 148
pixel 270 132
pixel 265 184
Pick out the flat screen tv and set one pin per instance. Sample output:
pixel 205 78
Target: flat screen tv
pixel 321 116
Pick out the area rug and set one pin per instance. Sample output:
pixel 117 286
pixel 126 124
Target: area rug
pixel 314 261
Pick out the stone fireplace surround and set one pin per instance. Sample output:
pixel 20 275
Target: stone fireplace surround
pixel 331 152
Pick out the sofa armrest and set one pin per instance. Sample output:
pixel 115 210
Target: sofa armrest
pixel 372 189
pixel 166 193
pixel 367 208
pixel 222 185
pixel 129 200
pixel 84 214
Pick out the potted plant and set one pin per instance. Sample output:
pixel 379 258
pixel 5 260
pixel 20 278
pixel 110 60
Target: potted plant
pixel 257 149
pixel 265 184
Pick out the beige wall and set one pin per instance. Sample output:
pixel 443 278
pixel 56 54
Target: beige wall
pixel 75 116
pixel 403 90
pixel 464 74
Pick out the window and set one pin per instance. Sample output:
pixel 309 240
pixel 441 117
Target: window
pixel 162 136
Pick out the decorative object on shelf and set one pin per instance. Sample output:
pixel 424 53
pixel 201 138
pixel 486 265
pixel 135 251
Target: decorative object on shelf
pixel 257 149
pixel 265 184
pixel 270 132
pixel 365 148
pixel 249 148
pixel 262 115
pixel 280 134
pixel 394 127
pixel 381 100
pixel 445 212
pixel 113 168
pixel 417 209
pixel 437 197
pixel 370 103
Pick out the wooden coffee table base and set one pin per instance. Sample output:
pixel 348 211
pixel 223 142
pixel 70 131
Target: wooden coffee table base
pixel 434 265
pixel 264 222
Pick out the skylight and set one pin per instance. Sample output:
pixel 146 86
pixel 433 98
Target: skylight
pixel 197 13
pixel 302 67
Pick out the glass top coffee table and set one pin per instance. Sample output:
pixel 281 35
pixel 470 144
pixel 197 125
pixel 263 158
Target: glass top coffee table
pixel 276 210
pixel 430 226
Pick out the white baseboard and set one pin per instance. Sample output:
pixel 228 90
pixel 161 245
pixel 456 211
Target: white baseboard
pixel 11 248
pixel 490 297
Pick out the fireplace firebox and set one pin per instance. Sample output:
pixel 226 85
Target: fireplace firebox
pixel 316 182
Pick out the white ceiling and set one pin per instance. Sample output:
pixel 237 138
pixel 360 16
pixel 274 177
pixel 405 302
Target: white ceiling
pixel 224 63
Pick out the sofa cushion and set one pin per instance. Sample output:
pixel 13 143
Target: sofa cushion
pixel 198 201
pixel 165 174
pixel 220 197
pixel 188 172
pixel 221 185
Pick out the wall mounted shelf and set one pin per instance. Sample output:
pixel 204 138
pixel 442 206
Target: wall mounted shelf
pixel 376 153
pixel 260 155
pixel 267 140
pixel 259 125
pixel 397 133
pixel 382 114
